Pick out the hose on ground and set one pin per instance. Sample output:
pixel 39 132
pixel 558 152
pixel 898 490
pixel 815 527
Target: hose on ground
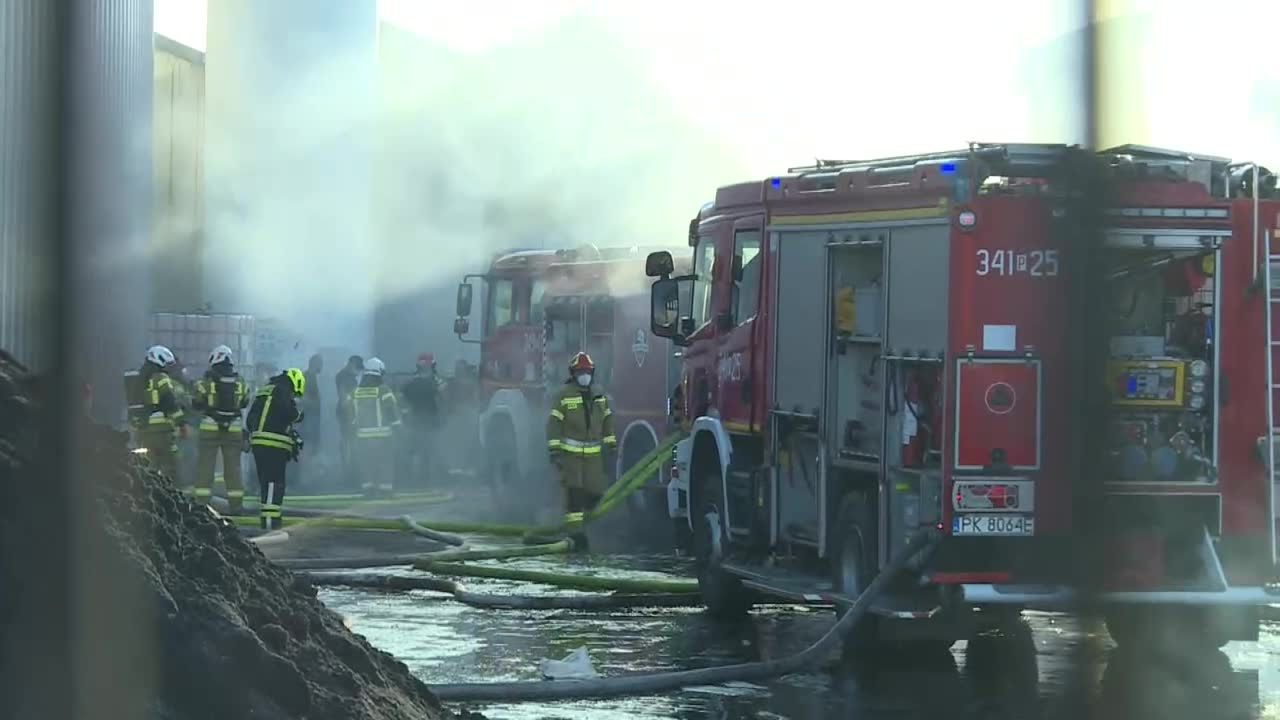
pixel 564 580
pixel 650 683
pixel 275 537
pixel 449 554
pixel 412 526
pixel 505 602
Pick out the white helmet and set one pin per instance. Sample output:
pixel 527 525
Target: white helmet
pixel 221 354
pixel 374 366
pixel 161 356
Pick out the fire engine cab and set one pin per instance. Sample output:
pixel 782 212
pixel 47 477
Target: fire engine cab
pixel 960 341
pixel 539 308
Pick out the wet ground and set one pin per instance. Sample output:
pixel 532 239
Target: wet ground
pixel 1061 670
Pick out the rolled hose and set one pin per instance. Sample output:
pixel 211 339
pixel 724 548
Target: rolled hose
pixel 650 683
pixel 505 602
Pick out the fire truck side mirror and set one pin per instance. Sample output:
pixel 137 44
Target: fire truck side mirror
pixel 461 326
pixel 464 300
pixel 664 311
pixel 659 264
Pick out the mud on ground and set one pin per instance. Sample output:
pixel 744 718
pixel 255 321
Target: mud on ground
pixel 216 630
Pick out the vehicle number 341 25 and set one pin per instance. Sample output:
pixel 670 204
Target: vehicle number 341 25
pixel 1036 263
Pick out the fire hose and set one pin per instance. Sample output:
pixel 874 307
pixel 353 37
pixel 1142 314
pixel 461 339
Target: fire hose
pixel 650 683
pixel 505 602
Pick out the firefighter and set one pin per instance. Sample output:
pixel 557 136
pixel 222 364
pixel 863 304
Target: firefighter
pixel 274 441
pixel 423 397
pixel 375 416
pixel 345 381
pixel 221 395
pixel 154 412
pixel 580 439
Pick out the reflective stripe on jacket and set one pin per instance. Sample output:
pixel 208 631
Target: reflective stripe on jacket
pixel 206 399
pixel 579 430
pixel 375 411
pixel 271 418
pixel 163 411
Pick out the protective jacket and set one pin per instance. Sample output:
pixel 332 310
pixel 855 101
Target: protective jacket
pixel 423 395
pixel 375 412
pixel 579 434
pixel 221 395
pixel 272 415
pixel 153 400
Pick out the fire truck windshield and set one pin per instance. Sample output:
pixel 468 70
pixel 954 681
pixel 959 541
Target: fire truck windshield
pixel 501 304
pixel 703 258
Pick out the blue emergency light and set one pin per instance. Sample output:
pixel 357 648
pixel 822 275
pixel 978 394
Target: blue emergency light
pixel 947 168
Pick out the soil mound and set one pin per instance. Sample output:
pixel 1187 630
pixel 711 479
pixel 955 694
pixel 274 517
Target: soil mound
pixel 227 633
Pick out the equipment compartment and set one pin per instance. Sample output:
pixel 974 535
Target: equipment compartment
pixel 856 370
pixel 1161 372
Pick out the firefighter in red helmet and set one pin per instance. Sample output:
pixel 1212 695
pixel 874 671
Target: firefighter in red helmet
pixel 580 439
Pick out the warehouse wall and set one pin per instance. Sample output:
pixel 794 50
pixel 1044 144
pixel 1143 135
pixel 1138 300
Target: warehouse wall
pixel 26 180
pixel 178 159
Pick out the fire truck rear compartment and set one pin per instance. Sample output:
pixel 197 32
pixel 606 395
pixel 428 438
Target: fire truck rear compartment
pixel 1162 366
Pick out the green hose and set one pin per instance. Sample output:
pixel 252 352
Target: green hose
pixel 565 580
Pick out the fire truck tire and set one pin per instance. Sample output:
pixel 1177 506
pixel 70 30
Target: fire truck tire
pixel 723 594
pixel 853 566
pixel 504 471
pixel 1165 630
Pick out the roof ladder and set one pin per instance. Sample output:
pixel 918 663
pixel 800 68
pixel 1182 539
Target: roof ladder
pixel 1270 267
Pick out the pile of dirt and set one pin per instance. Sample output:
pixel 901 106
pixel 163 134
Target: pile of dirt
pixel 221 632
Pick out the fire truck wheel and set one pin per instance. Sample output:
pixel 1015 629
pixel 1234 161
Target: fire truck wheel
pixel 723 594
pixel 504 473
pixel 853 565
pixel 1165 630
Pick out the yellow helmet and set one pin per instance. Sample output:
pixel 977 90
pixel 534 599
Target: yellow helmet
pixel 298 379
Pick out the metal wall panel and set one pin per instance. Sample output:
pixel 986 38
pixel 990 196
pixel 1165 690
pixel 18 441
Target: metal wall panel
pixel 26 180
pixel 111 86
pixel 178 158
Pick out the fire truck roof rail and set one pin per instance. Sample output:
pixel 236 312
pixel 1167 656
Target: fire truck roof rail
pixel 1011 155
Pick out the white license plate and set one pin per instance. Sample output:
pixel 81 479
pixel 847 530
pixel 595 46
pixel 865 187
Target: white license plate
pixel 993 525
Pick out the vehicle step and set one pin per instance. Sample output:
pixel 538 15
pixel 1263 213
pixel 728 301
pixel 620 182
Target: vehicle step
pixel 803 588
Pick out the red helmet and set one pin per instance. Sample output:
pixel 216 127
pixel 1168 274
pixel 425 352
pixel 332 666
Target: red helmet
pixel 426 359
pixel 581 362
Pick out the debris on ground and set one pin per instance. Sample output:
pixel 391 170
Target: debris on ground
pixel 228 634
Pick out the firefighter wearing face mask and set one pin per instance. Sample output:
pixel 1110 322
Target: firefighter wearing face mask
pixel 580 438
pixel 154 412
pixel 221 395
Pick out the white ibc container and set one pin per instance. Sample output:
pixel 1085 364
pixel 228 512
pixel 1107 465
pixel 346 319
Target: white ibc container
pixel 866 319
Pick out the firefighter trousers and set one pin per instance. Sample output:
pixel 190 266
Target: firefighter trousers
pixel 162 450
pixel 271 464
pixel 375 463
pixel 211 444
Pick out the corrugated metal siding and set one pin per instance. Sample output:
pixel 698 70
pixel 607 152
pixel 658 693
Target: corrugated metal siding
pixel 112 59
pixel 26 183
pixel 179 177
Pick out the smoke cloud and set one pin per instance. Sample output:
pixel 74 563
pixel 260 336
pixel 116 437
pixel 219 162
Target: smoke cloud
pixel 357 185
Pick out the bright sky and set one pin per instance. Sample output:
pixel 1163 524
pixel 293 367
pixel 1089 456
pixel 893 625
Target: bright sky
pixel 783 82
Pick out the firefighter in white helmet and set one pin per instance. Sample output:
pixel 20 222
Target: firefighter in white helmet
pixel 221 395
pixel 375 418
pixel 154 412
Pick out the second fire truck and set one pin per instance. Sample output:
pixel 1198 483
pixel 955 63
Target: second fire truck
pixel 871 348
pixel 539 308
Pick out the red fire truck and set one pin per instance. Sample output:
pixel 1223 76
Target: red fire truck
pixel 539 308
pixel 875 347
